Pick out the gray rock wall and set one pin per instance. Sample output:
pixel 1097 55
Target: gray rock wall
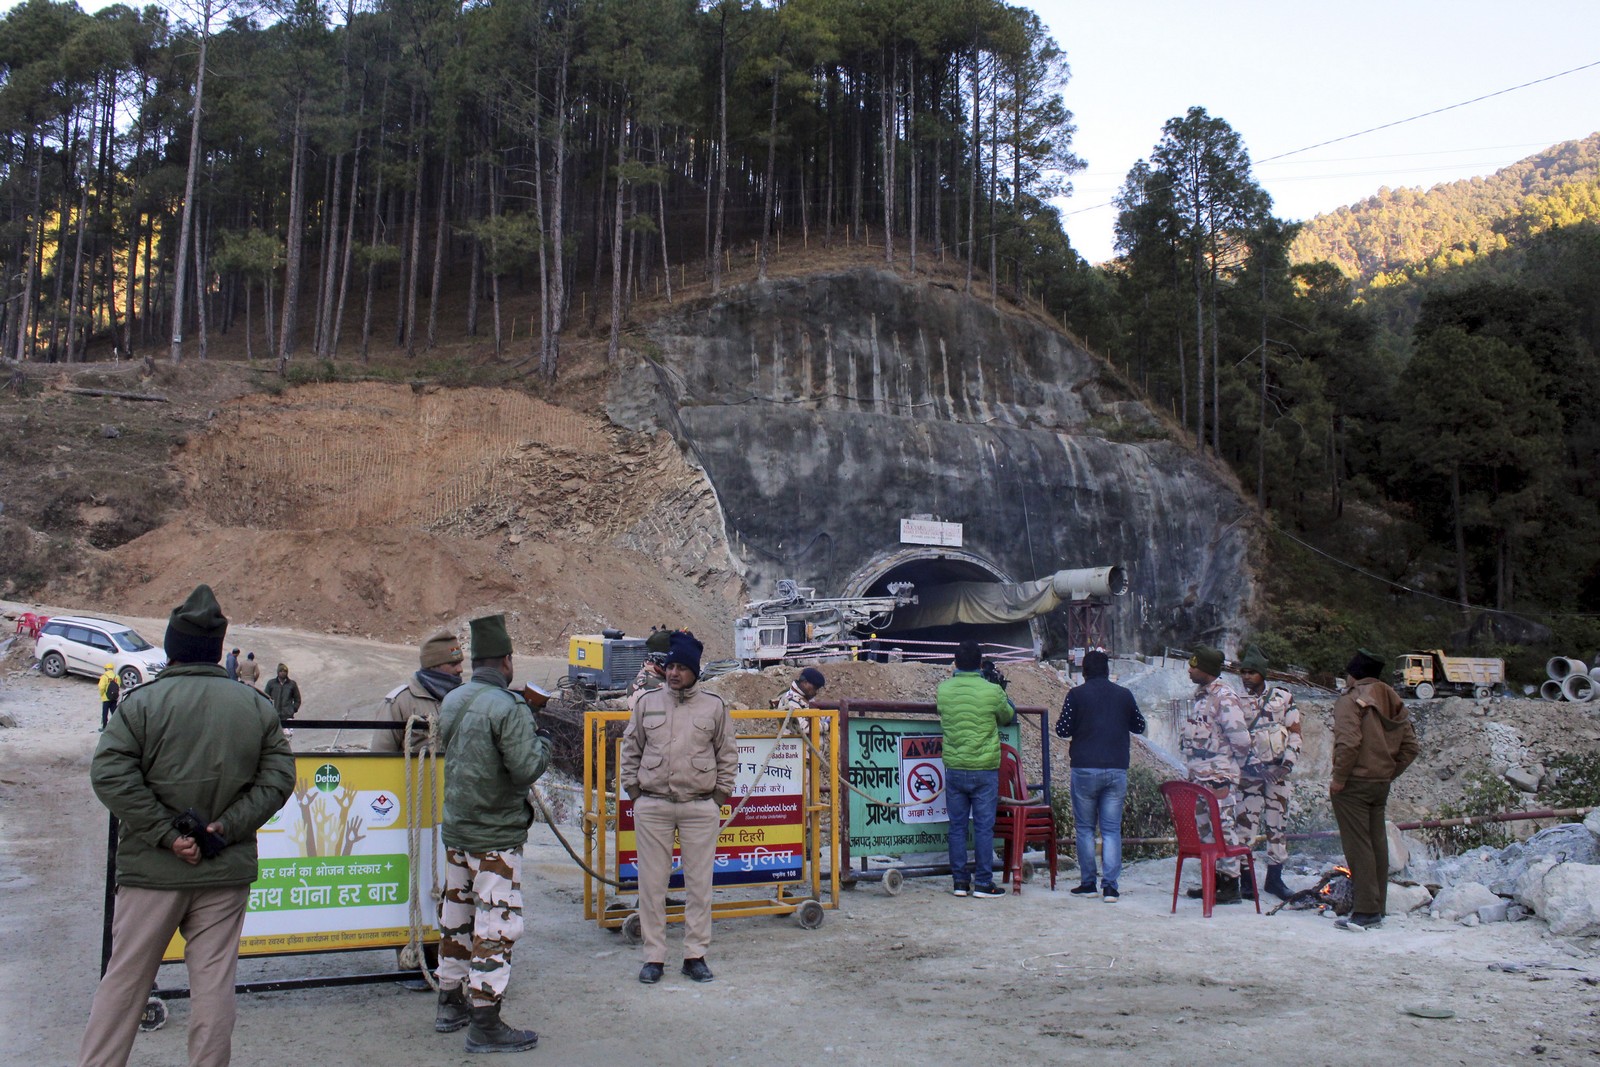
pixel 825 410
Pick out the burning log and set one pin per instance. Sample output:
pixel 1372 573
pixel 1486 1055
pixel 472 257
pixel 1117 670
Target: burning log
pixel 1334 892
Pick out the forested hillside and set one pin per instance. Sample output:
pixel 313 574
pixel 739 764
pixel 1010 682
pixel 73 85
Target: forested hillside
pixel 271 169
pixel 1398 233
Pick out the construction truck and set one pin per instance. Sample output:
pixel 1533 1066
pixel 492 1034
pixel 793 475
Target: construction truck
pixel 1430 673
pixel 799 625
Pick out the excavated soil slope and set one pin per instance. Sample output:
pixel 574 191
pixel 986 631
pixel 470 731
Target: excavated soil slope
pixel 386 510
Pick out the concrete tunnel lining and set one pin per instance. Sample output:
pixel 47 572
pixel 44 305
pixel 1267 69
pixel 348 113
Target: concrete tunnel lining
pixel 926 567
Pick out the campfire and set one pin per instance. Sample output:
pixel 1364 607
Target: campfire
pixel 1333 892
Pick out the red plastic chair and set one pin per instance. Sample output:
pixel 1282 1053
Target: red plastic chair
pixel 30 624
pixel 1019 825
pixel 1183 799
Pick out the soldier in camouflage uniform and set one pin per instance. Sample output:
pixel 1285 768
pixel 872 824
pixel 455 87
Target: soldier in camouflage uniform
pixel 1264 783
pixel 653 671
pixel 802 692
pixel 494 752
pixel 1215 740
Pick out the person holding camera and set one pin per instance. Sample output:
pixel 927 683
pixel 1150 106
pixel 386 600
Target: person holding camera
pixel 493 753
pixel 802 691
pixel 192 765
pixel 972 708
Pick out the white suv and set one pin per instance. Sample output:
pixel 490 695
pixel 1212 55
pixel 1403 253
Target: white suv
pixel 69 643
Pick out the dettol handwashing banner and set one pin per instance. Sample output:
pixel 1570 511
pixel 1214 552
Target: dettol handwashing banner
pixel 334 872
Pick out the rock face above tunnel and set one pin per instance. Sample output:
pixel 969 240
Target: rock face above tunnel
pixel 825 410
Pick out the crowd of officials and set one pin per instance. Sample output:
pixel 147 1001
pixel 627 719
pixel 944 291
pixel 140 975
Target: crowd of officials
pixel 193 764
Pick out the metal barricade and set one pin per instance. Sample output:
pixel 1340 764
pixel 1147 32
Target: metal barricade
pixel 777 828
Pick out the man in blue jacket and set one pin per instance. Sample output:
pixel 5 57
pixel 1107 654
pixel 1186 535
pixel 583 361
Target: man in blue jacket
pixel 1098 717
pixel 971 711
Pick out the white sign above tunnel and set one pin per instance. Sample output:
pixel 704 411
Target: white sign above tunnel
pixel 929 532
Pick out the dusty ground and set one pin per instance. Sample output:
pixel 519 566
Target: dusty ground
pixel 922 977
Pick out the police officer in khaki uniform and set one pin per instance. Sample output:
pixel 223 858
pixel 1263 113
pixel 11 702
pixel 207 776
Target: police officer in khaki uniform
pixel 678 764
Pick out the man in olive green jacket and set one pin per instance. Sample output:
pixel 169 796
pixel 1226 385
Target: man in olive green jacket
pixel 190 741
pixel 493 753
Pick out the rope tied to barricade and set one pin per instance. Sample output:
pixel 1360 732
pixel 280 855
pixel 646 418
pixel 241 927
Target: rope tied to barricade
pixel 425 765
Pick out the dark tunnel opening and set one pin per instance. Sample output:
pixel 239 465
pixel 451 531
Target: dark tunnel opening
pixel 928 572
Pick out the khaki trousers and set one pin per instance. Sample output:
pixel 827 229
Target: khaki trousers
pixel 695 821
pixel 210 920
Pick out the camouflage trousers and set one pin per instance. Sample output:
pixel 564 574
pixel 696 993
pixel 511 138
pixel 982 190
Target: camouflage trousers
pixel 1264 809
pixel 480 919
pixel 1228 808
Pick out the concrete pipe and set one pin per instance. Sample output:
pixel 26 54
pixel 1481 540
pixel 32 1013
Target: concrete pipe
pixel 1086 582
pixel 1551 690
pixel 1560 666
pixel 1578 688
pixel 1594 674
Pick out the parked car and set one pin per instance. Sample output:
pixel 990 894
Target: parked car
pixel 71 644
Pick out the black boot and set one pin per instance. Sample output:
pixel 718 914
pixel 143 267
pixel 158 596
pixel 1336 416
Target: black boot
pixel 453 1013
pixel 488 1034
pixel 1274 883
pixel 1247 886
pixel 1228 889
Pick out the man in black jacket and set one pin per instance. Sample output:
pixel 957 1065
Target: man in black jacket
pixel 1098 717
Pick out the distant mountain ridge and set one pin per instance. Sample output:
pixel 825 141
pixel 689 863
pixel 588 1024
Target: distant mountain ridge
pixel 1399 230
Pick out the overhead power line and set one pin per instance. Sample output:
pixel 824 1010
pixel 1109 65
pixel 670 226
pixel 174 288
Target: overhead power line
pixel 1425 114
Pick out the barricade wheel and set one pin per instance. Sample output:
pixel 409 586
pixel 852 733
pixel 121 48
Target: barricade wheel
pixel 1027 870
pixel 893 882
pixel 632 932
pixel 809 914
pixel 154 1016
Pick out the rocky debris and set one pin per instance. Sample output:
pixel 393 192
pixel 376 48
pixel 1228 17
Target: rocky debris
pixel 1591 822
pixel 1494 913
pixel 7 721
pixel 1399 850
pixel 1405 899
pixel 1456 902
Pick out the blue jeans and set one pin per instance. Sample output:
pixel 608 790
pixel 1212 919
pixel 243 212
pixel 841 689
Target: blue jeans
pixel 1097 795
pixel 975 795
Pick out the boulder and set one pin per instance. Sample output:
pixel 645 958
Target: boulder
pixel 1591 822
pixel 1567 842
pixel 1523 780
pixel 1399 851
pixel 1529 890
pixel 1494 913
pixel 1456 902
pixel 1572 899
pixel 1404 899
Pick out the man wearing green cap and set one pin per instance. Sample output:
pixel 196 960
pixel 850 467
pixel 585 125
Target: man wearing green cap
pixel 493 753
pixel 188 745
pixel 1274 724
pixel 1215 740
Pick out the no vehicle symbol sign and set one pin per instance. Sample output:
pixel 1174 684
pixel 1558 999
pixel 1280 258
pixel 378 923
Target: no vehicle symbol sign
pixel 922 778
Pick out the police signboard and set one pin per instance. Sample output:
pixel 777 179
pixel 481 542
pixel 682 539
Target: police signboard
pixel 900 762
pixel 765 843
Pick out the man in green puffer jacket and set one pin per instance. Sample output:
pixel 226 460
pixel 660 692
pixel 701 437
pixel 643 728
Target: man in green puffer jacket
pixel 971 711
pixel 191 741
pixel 493 753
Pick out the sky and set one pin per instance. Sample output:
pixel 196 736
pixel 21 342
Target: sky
pixel 1288 75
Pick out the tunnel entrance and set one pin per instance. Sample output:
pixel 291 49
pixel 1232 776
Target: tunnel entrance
pixel 935 568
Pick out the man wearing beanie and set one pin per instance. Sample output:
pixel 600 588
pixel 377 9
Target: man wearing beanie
pixel 284 692
pixel 1215 739
pixel 678 764
pixel 1373 744
pixel 441 662
pixel 1098 717
pixel 802 691
pixel 190 741
pixel 1274 724
pixel 493 753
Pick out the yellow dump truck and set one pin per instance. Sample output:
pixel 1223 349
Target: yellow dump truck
pixel 1431 673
